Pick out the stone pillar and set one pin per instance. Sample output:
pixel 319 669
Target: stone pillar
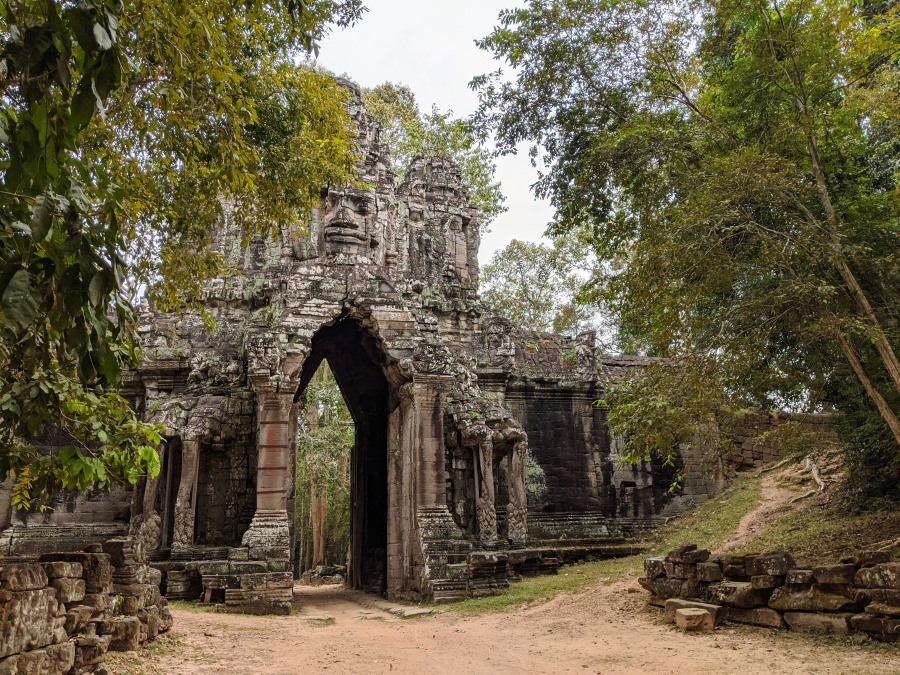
pixel 186 498
pixel 417 491
pixel 484 484
pixel 270 527
pixel 516 511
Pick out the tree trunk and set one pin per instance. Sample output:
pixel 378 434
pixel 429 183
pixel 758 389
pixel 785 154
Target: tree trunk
pixel 856 292
pixel 873 393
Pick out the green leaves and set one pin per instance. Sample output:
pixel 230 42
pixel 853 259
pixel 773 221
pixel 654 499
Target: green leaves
pixel 20 301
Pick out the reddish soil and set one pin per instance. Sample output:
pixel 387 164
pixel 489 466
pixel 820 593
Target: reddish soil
pixel 606 629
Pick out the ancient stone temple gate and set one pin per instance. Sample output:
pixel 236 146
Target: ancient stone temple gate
pixel 383 284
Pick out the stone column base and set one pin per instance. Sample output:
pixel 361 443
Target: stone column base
pixel 269 536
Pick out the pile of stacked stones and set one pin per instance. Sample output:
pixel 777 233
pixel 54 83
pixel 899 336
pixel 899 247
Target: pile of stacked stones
pixel 861 594
pixel 62 613
pixel 251 581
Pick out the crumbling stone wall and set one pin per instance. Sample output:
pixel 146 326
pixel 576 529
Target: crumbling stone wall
pixel 862 593
pixel 63 613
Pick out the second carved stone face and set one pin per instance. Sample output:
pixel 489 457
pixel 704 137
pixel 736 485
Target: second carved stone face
pixel 349 222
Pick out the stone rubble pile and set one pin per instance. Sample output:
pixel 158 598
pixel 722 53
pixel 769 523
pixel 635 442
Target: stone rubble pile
pixel 862 593
pixel 64 612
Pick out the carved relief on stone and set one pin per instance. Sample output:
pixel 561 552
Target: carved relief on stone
pixel 212 370
pixel 500 350
pixel 486 511
pixel 349 222
pixel 516 511
pixel 433 358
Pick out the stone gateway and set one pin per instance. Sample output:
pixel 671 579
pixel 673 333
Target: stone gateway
pixel 453 407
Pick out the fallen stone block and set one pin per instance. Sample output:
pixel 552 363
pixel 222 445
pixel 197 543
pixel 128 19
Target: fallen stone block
pixel 692 618
pixel 125 634
pixel 868 558
pixel 672 605
pixel 59 570
pixel 799 577
pixel 834 574
pixel 645 583
pixel 68 590
pixel 709 572
pixel 884 596
pixel 680 570
pixel 776 564
pixel 884 629
pixel 766 581
pixel 654 567
pixel 820 623
pixel 881 609
pixel 813 599
pixel 882 575
pixel 22 577
pixel 77 618
pixel 656 601
pixel 738 594
pixel 677 554
pixel 90 649
pixel 758 616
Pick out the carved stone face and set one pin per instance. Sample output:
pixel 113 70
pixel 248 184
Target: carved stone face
pixel 349 222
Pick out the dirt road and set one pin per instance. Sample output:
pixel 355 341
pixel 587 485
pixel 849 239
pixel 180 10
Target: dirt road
pixel 607 629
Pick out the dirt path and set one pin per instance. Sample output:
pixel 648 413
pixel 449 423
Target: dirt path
pixel 607 629
pixel 772 501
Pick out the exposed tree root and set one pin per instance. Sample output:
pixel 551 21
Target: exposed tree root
pixel 773 467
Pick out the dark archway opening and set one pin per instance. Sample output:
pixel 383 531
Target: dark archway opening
pixel 353 358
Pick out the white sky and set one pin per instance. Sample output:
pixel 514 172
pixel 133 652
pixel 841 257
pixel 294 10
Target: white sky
pixel 429 46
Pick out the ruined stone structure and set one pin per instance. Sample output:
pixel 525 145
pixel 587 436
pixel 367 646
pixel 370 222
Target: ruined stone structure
pixel 453 407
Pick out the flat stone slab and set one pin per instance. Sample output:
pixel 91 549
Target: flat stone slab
pixel 824 623
pixel 402 611
pixel 674 604
pixel 323 617
pixel 693 618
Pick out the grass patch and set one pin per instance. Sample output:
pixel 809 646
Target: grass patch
pixel 138 663
pixel 709 526
pixel 823 532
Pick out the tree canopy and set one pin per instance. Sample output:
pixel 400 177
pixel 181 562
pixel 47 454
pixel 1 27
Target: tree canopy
pixel 537 286
pixel 124 126
pixel 408 132
pixel 737 164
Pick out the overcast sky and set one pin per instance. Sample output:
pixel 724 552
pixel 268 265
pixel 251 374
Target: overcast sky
pixel 429 46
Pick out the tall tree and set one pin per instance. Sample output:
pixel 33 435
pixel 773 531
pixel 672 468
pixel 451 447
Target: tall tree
pixel 736 162
pixel 410 133
pixel 122 127
pixel 536 285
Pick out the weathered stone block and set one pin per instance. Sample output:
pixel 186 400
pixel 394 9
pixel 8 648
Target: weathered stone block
pixel 77 618
pixel 775 564
pixel 881 609
pixel 680 571
pixel 254 567
pixel 27 620
pixel 821 623
pixel 96 569
pixel 868 558
pixel 799 577
pixel 758 616
pixel 813 599
pixel 882 628
pixel 238 554
pixel 22 577
pixel 280 566
pixel 213 568
pixel 654 567
pixel 68 590
pixel 882 575
pixel 59 570
pixel 693 618
pixel 834 574
pixel 89 650
pixel 61 657
pixel 37 661
pixel 124 634
pixel 280 580
pixel 738 594
pixel 884 596
pixel 766 581
pixel 709 572
pixel 252 582
pixel 687 554
pixel 674 604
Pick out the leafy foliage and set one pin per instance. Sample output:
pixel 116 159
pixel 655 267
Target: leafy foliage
pixel 537 286
pixel 736 164
pixel 409 133
pixel 122 127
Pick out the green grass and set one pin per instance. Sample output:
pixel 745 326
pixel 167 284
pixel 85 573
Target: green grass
pixel 709 526
pixel 820 533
